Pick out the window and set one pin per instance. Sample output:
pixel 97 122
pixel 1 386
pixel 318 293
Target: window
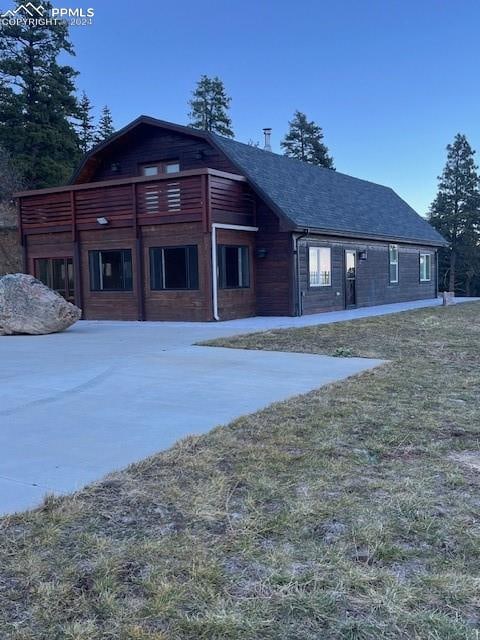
pixel 110 270
pixel 151 170
pixel 172 167
pixel 320 266
pixel 233 267
pixel 56 273
pixel 425 267
pixel 174 267
pixel 393 263
pixel 156 168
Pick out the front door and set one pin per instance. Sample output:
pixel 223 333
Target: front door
pixel 350 275
pixel 57 273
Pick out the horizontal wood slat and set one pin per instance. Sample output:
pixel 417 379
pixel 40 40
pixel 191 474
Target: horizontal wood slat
pixel 156 199
pixel 232 197
pixel 179 198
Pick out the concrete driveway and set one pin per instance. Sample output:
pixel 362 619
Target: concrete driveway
pixel 77 405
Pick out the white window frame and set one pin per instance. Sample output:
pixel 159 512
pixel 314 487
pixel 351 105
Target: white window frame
pixel 392 263
pixel 427 261
pixel 318 251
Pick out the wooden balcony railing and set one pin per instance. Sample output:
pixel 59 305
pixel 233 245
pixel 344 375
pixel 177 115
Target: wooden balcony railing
pixel 186 196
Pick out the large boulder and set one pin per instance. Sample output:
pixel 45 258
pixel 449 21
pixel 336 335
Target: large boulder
pixel 28 306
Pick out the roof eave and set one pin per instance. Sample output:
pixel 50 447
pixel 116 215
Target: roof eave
pixel 370 236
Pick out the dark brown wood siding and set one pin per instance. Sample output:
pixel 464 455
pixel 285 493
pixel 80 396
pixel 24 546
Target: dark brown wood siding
pixel 231 202
pixel 142 213
pixel 108 305
pixel 151 144
pixel 274 278
pixel 192 305
pixel 238 303
pixel 124 305
pixel 372 278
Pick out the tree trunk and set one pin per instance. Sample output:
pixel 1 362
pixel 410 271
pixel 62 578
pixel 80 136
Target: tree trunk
pixel 451 280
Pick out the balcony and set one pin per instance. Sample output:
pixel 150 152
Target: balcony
pixel 203 195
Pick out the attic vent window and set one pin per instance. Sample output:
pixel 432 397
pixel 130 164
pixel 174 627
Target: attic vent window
pixel 157 168
pixel 150 171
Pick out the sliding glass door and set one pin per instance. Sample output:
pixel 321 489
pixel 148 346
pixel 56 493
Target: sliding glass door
pixel 57 273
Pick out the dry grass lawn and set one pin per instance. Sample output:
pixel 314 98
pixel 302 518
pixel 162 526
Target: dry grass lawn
pixel 343 514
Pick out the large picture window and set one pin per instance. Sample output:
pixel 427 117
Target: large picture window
pixel 425 267
pixel 57 273
pixel 393 263
pixel 320 266
pixel 110 270
pixel 174 267
pixel 233 267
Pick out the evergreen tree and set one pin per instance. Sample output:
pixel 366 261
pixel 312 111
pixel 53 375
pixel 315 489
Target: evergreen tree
pixel 304 142
pixel 37 101
pixel 209 107
pixel 105 126
pixel 86 127
pixel 455 213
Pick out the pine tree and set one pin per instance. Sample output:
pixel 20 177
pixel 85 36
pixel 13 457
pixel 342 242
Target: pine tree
pixel 455 213
pixel 304 142
pixel 209 107
pixel 105 126
pixel 37 101
pixel 86 127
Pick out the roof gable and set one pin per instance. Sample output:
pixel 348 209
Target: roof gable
pixel 91 159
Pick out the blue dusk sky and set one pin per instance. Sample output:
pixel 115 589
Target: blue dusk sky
pixel 391 82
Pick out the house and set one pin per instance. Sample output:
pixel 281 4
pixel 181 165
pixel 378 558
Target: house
pixel 166 222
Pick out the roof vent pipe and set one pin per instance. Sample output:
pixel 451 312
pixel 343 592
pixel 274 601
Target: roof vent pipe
pixel 267 132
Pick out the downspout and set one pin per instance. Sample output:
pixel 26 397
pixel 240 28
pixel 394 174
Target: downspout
pixel 215 226
pixel 214 273
pixel 306 232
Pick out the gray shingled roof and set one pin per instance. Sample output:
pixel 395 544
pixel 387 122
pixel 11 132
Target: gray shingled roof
pixel 322 199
